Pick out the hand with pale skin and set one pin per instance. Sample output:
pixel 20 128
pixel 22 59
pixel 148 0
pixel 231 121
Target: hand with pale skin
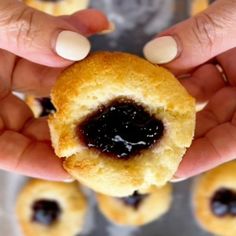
pixel 195 47
pixel 32 55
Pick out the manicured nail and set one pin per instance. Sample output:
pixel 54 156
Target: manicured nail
pixel 176 179
pixel 111 28
pixel 72 46
pixel 200 106
pixel 161 50
pixel 70 180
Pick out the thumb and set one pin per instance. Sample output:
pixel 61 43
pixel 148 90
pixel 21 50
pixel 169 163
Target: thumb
pixel 196 40
pixel 44 39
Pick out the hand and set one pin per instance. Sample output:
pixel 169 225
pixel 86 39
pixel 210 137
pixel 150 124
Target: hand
pixel 28 37
pixel 195 47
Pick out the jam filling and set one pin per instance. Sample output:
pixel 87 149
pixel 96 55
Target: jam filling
pixel 46 212
pixel 134 200
pixel 223 203
pixel 47 106
pixel 121 129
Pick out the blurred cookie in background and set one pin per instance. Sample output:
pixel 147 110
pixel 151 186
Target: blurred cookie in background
pixel 47 208
pixel 214 200
pixel 138 209
pixel 198 6
pixel 58 7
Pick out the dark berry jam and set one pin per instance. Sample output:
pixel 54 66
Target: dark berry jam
pixel 46 212
pixel 47 106
pixel 224 203
pixel 134 200
pixel 122 128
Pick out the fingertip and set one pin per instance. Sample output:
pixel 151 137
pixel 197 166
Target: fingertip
pixel 89 21
pixel 177 179
pixel 55 173
pixel 99 15
pixel 72 46
pixel 161 50
pixel 200 37
pixel 69 180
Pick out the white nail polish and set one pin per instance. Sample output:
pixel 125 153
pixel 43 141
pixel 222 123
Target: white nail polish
pixel 161 50
pixel 176 180
pixel 111 28
pixel 72 46
pixel 69 180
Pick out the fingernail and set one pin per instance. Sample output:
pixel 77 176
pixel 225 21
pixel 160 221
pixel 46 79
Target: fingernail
pixel 200 106
pixel 161 50
pixel 176 179
pixel 111 28
pixel 70 180
pixel 72 46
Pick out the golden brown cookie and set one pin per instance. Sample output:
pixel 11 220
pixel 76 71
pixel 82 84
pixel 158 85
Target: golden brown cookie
pixel 51 209
pixel 58 7
pixel 198 6
pixel 40 106
pixel 214 199
pixel 122 123
pixel 138 209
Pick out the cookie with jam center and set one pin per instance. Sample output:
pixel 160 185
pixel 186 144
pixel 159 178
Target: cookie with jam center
pixel 47 208
pixel 138 209
pixel 214 200
pixel 58 7
pixel 122 123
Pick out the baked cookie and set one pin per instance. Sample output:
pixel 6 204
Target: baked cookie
pixel 40 106
pixel 138 209
pixel 58 7
pixel 214 200
pixel 198 6
pixel 120 122
pixel 51 209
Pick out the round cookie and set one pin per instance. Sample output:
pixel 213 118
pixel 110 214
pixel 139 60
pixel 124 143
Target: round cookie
pixel 198 6
pixel 120 122
pixel 40 106
pixel 58 7
pixel 51 209
pixel 138 209
pixel 214 199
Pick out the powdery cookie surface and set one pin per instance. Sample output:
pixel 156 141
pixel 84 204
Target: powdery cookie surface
pixel 99 79
pixel 153 206
pixel 70 199
pixel 222 177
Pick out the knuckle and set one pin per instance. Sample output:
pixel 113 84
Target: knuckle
pixel 19 27
pixel 25 32
pixel 205 30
